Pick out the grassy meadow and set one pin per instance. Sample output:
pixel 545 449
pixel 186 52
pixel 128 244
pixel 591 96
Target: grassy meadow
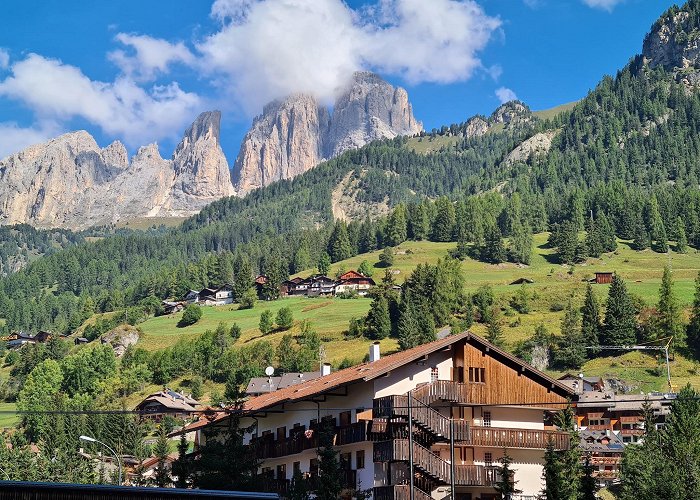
pixel 554 285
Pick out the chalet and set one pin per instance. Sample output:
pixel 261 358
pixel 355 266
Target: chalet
pixel 604 451
pixel 294 286
pixel 263 385
pixel 19 339
pixel 81 341
pixel 603 278
pixel 321 286
pixel 260 282
pixel 167 402
pixel 621 414
pixel 435 418
pixel 581 383
pixel 352 280
pixel 216 296
pixel 173 307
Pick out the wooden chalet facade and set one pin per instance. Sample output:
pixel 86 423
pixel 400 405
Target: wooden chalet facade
pixel 354 281
pixel 603 278
pixel 441 413
pixel 217 296
pixel 167 402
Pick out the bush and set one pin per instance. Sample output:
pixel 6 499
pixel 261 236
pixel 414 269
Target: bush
pixel 235 332
pixel 192 314
pixel 248 300
pixel 284 318
pixel 11 358
pixel 266 323
pixel 356 328
pixel 386 258
pixel 196 387
pixel 557 306
pixel 348 294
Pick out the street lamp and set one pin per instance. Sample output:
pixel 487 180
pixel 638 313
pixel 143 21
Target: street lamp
pixel 119 463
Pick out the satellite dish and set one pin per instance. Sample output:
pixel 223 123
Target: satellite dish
pixel 269 371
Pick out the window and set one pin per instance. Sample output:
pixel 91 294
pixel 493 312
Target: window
pixel 487 419
pixel 488 459
pixel 360 459
pixel 296 467
pixel 313 467
pixel 345 418
pixel 282 471
pixel 345 461
pixel 477 375
pixel 434 374
pixel 281 433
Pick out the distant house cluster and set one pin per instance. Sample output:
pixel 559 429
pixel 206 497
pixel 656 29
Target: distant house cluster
pixel 19 339
pixel 320 285
pixel 167 402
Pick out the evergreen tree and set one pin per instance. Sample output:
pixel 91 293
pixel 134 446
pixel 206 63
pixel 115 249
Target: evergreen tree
pixel 418 222
pixel 606 233
pixel 669 314
pixel 693 329
pixel 681 238
pixel 552 474
pixel 235 332
pixel 521 244
pixel 161 450
pixel 329 479
pixel 620 323
pixel 386 258
pixel 589 485
pixel 416 324
pixel 243 276
pixel 339 244
pixel 299 487
pixel 365 269
pixel 378 322
pixel 286 355
pixel 567 242
pixel 284 319
pixel 324 264
pixel 641 237
pixel 494 330
pixel 505 487
pixel 444 222
pixel 266 323
pixel 571 352
pixel 493 250
pixel 590 321
pixel 396 227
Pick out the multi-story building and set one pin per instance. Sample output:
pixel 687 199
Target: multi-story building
pixel 437 417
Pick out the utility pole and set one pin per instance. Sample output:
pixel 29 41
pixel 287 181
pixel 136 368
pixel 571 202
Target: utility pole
pixel 643 347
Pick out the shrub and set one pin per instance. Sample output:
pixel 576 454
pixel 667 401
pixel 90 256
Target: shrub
pixel 192 314
pixel 235 332
pixel 266 323
pixel 284 318
pixel 247 301
pixel 386 258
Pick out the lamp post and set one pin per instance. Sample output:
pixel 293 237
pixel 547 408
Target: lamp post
pixel 119 463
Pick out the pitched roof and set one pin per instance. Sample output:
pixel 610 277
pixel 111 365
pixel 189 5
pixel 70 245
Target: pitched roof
pixel 370 371
pixel 171 400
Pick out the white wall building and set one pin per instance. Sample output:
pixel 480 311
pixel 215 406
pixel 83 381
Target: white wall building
pixel 496 402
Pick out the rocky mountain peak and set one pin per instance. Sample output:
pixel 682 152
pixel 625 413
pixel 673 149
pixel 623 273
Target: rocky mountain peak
pixel 512 112
pixel 293 135
pixel 206 127
pixel 674 42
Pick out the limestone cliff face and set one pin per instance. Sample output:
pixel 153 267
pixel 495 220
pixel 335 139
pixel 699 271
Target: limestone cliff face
pixel 368 110
pixel 285 140
pixel 294 135
pixel 674 44
pixel 71 182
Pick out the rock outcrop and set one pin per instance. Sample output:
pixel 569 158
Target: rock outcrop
pixel 511 113
pixel 537 145
pixel 294 135
pixel 71 182
pixel 674 44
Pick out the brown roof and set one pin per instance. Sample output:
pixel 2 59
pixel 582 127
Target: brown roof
pixel 370 371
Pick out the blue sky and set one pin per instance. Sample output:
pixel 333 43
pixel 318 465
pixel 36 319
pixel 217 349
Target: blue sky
pixel 141 71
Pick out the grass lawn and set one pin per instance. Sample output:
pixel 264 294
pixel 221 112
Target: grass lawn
pixel 7 418
pixel 554 285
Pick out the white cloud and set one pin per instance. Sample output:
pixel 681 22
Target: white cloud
pixel 533 4
pixel 148 57
pixel 608 5
pixel 505 95
pixel 4 58
pixel 57 91
pixel 267 49
pixel 14 138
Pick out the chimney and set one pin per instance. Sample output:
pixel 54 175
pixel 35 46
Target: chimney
pixel 325 369
pixel 374 354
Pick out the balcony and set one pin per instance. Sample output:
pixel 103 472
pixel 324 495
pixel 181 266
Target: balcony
pixel 268 447
pixel 398 492
pixel 442 390
pixel 495 437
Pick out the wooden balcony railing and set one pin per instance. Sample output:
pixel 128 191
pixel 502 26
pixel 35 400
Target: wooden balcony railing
pixel 268 447
pixel 495 437
pixel 398 492
pixel 445 390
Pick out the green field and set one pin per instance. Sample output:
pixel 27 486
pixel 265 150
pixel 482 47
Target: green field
pixel 554 285
pixel 548 114
pixel 7 417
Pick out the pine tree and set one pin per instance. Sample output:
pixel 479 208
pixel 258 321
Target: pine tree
pixel 266 322
pixel 693 329
pixel 286 355
pixel 493 250
pixel 505 486
pixel 386 258
pixel 571 352
pixel 161 449
pixel 681 238
pixel 494 330
pixel 243 276
pixel 641 237
pixel 669 313
pixel 567 242
pixel 444 223
pixel 329 482
pixel 396 227
pixel 590 321
pixel 552 474
pixel 589 485
pixel 620 322
pixel 324 264
pixel 606 233
pixel 339 244
pixel 378 321
pixel 521 244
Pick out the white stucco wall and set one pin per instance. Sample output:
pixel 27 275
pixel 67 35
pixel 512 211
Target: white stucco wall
pixel 407 377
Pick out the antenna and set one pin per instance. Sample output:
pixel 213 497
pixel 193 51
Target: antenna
pixel 269 371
